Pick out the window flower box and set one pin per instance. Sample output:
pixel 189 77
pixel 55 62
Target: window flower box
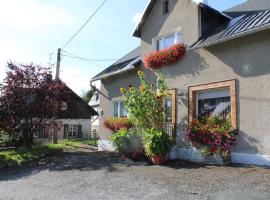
pixel 171 55
pixel 115 124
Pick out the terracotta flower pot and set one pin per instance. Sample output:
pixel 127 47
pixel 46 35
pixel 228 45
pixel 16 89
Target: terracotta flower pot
pixel 157 160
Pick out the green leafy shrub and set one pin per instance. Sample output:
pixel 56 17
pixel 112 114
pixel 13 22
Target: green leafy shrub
pixel 157 143
pixel 128 142
pixel 7 140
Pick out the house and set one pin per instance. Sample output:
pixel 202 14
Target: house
pixel 94 103
pixel 74 119
pixel 225 70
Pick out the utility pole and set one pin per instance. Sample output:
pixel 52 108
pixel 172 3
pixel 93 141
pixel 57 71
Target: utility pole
pixel 57 78
pixel 57 75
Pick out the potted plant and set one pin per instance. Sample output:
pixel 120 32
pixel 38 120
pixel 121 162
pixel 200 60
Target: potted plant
pixel 214 135
pixel 157 144
pixel 129 143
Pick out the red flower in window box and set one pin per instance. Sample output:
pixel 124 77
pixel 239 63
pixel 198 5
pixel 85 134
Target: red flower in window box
pixel 164 57
pixel 115 124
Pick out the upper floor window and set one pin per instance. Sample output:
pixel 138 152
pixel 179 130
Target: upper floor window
pixel 96 96
pixel 165 7
pixel 168 41
pixel 119 109
pixel 64 106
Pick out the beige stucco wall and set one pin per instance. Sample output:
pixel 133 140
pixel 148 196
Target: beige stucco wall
pixel 245 59
pixel 183 16
pixel 110 92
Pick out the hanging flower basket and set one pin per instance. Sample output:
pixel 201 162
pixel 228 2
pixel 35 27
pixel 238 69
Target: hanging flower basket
pixel 164 57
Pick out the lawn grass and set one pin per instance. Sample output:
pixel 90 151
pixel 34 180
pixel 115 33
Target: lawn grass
pixel 91 142
pixel 13 157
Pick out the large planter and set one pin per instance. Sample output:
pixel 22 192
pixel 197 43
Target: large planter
pixel 157 160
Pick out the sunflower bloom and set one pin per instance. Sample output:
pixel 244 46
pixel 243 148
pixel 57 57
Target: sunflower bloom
pixel 122 90
pixel 140 73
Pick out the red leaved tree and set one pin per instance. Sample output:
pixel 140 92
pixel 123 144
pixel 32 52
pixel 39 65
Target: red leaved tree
pixel 28 98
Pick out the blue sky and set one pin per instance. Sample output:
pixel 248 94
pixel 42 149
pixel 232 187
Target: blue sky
pixel 32 29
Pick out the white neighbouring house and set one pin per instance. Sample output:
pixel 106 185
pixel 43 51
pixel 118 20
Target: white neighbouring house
pixel 74 119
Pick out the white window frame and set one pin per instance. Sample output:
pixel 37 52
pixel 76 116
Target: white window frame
pixel 119 108
pixel 178 37
pixel 73 130
pixel 208 94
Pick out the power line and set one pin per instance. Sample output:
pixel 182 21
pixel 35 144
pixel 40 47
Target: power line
pixel 82 60
pixel 84 24
pixel 89 59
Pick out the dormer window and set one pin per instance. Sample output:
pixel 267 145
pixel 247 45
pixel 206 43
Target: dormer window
pixel 165 7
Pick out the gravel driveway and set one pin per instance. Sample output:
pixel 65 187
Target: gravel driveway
pixel 84 174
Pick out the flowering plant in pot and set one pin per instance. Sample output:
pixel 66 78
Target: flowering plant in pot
pixel 214 135
pixel 171 55
pixel 157 144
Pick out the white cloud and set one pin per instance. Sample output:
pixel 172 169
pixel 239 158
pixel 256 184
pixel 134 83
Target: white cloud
pixel 201 1
pixel 75 78
pixel 27 14
pixel 137 17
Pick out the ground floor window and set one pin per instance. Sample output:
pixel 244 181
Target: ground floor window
pixel 213 102
pixel 72 131
pixel 119 109
pixel 217 98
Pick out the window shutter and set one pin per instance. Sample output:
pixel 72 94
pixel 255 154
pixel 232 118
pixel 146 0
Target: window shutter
pixel 115 109
pixel 79 131
pixel 65 130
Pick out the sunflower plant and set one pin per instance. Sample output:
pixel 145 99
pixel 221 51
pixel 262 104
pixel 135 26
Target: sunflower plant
pixel 144 103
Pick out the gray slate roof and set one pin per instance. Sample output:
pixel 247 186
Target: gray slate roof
pixel 125 63
pixel 248 23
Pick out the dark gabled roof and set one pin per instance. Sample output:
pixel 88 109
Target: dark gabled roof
pixel 123 64
pixel 246 24
pixel 146 13
pixel 77 108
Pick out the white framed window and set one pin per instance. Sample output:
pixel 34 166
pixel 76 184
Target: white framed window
pixel 168 40
pixel 213 102
pixel 64 106
pixel 119 109
pixel 72 131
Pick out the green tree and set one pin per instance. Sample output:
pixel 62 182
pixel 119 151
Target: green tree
pixel 87 95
